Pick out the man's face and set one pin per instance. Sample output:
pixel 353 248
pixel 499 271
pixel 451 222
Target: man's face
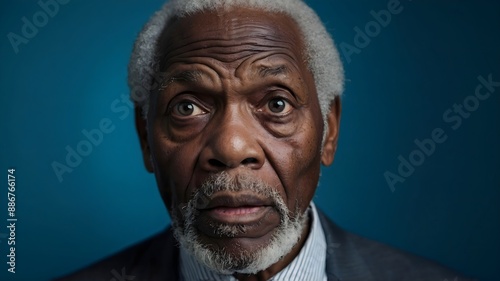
pixel 238 107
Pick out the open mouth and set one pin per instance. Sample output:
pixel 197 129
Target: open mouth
pixel 236 208
pixel 238 215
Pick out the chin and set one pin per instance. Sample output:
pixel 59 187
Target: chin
pixel 231 255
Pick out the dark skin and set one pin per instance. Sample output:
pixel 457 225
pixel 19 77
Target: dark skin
pixel 239 97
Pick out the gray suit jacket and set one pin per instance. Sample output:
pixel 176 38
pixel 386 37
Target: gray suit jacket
pixel 349 258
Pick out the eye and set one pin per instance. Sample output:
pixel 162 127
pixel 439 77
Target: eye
pixel 187 108
pixel 278 105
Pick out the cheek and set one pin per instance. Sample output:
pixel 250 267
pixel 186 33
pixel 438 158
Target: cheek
pixel 297 164
pixel 174 165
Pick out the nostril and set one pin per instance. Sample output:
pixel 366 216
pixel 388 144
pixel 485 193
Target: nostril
pixel 216 163
pixel 249 160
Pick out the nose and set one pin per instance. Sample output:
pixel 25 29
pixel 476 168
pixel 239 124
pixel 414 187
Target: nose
pixel 234 143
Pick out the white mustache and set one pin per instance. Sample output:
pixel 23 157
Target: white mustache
pixel 241 182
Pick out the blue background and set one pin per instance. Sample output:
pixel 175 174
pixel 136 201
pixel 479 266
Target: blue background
pixel 68 76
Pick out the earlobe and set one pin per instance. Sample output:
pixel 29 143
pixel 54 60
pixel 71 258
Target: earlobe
pixel 142 132
pixel 332 134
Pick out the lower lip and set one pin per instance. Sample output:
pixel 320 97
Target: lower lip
pixel 240 215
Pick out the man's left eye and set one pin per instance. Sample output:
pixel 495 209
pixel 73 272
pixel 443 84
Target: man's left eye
pixel 279 105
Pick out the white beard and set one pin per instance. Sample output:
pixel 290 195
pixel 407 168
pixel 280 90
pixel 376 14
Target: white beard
pixel 284 238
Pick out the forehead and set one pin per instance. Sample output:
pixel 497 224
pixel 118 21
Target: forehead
pixel 230 35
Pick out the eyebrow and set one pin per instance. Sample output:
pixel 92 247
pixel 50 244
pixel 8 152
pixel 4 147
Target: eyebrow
pixel 189 76
pixel 192 76
pixel 272 71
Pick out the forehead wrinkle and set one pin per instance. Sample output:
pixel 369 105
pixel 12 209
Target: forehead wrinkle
pixel 240 30
pixel 230 26
pixel 225 39
pixel 243 39
pixel 219 47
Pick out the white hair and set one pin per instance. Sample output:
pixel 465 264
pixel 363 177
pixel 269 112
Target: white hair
pixel 322 56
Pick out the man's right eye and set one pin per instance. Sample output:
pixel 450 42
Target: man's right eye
pixel 187 108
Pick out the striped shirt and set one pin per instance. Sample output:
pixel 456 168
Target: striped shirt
pixel 309 264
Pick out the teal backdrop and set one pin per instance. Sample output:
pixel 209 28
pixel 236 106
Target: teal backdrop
pixel 418 159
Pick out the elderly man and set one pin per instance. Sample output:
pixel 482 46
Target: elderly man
pixel 237 108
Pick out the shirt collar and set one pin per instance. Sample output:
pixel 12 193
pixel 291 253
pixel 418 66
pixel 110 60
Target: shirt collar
pixel 309 264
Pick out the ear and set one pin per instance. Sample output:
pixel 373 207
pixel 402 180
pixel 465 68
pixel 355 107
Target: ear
pixel 142 132
pixel 332 134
